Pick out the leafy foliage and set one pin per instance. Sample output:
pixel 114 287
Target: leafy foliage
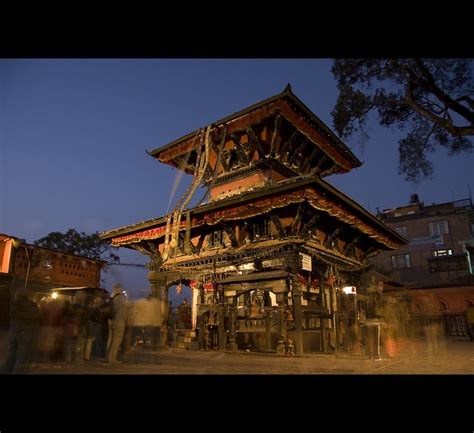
pixel 430 98
pixel 73 242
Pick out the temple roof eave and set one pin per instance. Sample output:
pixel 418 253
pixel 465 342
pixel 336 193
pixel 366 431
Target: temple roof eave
pixel 381 233
pixel 351 160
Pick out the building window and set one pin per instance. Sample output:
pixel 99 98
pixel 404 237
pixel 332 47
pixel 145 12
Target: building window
pixel 439 228
pixel 443 253
pixel 402 230
pixel 401 261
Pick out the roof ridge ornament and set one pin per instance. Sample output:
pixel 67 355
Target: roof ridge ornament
pixel 288 88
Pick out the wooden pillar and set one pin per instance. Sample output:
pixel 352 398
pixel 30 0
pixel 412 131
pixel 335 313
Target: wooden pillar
pixel 166 313
pixel 232 343
pixel 333 309
pixel 201 327
pixel 222 333
pixel 187 234
pixel 356 328
pixel 322 292
pixel 281 298
pixel 296 295
pixel 268 330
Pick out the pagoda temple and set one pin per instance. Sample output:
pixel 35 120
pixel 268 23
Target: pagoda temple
pixel 272 250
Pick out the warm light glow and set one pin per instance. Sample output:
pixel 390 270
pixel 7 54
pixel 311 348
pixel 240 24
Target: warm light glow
pixel 349 290
pixel 54 295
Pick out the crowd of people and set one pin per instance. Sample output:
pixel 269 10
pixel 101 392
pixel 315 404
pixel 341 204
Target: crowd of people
pixel 67 331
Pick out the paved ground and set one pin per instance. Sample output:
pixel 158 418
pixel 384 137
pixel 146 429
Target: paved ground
pixel 453 357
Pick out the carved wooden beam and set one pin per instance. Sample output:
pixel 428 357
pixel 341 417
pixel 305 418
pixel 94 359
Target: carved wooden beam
pixel 369 252
pixel 351 244
pixel 297 156
pixel 329 170
pixel 208 174
pixel 182 163
pixel 328 241
pixel 200 242
pixel 187 234
pixel 309 224
pixel 221 148
pixel 222 160
pixel 317 168
pixel 219 161
pixel 306 163
pixel 250 230
pixel 254 140
pixel 288 144
pixel 191 249
pixel 297 220
pixel 276 221
pixel 181 247
pixel 151 250
pixel 230 232
pixel 276 134
pixel 243 158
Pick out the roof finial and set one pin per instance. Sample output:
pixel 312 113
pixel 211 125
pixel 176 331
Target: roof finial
pixel 288 88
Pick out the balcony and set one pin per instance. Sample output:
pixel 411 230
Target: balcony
pixel 455 262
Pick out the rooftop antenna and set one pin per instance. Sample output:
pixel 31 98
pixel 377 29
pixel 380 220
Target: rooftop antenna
pixel 469 189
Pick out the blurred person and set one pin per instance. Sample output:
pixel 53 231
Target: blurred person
pixel 70 322
pixel 128 333
pixel 184 314
pixel 80 310
pixel 92 327
pixel 25 320
pixel 433 327
pixel 100 346
pixel 118 313
pixel 50 328
pixel 391 331
pixel 469 316
pixel 341 334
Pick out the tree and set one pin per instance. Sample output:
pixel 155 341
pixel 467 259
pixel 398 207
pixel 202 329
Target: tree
pixel 430 98
pixel 73 242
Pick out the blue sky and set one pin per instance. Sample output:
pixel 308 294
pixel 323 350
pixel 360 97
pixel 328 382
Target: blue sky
pixel 73 135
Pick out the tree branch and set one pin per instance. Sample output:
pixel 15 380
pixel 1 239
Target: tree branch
pixel 456 131
pixel 430 85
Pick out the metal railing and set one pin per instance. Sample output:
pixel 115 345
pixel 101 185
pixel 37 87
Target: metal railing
pixel 453 325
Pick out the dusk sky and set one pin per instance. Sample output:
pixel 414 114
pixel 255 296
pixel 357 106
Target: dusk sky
pixel 73 135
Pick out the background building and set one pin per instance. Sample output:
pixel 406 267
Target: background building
pixel 41 269
pixel 435 267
